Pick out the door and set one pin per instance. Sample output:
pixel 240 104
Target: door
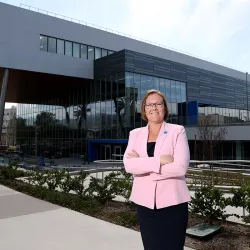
pixel 105 152
pixel 117 153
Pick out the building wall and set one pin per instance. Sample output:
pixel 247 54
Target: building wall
pixel 202 85
pixel 20 45
pixel 8 115
pixel 234 133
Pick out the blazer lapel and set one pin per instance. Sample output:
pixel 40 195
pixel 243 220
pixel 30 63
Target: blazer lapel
pixel 161 138
pixel 144 141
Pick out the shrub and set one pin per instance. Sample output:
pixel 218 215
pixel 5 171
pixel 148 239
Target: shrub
pixel 11 173
pixel 66 183
pixel 40 178
pixel 54 178
pixel 210 203
pixel 77 184
pixel 71 201
pixel 103 190
pixel 126 219
pixel 124 185
pixel 241 198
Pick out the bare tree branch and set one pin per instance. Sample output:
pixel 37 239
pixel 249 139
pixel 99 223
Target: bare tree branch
pixel 210 134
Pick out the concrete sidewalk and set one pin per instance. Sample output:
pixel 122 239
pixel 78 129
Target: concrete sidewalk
pixel 27 223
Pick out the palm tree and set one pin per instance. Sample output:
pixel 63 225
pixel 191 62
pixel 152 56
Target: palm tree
pixel 81 114
pixel 67 115
pixel 119 106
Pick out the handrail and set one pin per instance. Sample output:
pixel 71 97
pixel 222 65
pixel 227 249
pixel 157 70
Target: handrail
pixel 49 13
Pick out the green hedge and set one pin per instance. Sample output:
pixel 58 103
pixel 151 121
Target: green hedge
pixel 74 202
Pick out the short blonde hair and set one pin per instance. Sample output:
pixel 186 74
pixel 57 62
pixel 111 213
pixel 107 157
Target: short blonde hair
pixel 148 93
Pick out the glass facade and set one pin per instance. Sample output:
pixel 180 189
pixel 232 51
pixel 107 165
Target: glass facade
pixel 225 115
pixel 105 108
pixel 108 108
pixel 69 48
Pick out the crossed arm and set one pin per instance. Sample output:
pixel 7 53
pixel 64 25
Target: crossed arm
pixel 159 167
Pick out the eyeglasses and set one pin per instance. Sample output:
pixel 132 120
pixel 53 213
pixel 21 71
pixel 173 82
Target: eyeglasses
pixel 151 105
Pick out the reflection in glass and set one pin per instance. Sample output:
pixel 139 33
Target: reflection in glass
pixel 105 108
pixel 51 45
pixel 60 46
pixel 43 43
pixel 173 92
pixel 168 90
pixel 76 50
pixel 84 52
pixel 68 48
pixel 98 53
pixel 104 52
pixel 91 53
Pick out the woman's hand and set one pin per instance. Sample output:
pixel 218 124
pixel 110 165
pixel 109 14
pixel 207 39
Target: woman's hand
pixel 165 159
pixel 134 154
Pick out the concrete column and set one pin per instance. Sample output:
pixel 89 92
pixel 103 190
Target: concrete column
pixel 2 98
pixel 238 150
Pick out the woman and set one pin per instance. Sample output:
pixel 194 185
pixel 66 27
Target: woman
pixel 158 157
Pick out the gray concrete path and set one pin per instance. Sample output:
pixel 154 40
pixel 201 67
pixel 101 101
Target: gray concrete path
pixel 27 223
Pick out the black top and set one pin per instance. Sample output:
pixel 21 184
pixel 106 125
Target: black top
pixel 151 148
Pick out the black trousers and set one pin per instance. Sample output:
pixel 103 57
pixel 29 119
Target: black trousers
pixel 165 228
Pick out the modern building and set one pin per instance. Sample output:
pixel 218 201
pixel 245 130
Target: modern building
pixel 8 136
pixel 79 88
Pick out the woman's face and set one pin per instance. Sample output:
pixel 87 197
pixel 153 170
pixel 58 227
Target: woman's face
pixel 154 108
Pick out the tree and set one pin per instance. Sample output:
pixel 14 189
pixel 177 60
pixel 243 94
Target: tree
pixel 66 115
pixel 81 114
pixel 210 135
pixel 119 106
pixel 45 119
pixel 11 130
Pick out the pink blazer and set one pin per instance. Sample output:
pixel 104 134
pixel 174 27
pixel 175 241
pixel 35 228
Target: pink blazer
pixel 154 184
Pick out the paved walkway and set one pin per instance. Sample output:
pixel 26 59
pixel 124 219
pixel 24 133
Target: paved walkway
pixel 27 223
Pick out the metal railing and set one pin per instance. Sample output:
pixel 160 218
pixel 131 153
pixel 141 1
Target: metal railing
pixel 49 13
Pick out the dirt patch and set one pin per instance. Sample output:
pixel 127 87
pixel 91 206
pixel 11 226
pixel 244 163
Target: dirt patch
pixel 232 236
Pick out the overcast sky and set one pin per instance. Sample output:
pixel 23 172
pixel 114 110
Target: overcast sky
pixel 215 30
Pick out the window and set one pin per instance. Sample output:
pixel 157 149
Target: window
pixel 76 50
pixel 98 53
pixel 91 53
pixel 60 46
pixel 168 89
pixel 104 52
pixel 173 91
pixel 68 48
pixel 43 43
pixel 84 52
pixel 178 91
pixel 51 45
pixel 183 92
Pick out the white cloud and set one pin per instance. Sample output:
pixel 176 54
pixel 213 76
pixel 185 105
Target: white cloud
pixel 203 28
